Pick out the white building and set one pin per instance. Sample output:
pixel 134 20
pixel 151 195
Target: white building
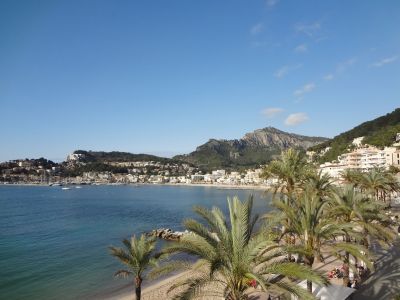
pixel 364 159
pixel 358 141
pixel 332 169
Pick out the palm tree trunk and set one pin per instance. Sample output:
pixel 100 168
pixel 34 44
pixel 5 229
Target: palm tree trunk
pixel 346 268
pixel 309 286
pixel 309 261
pixel 138 287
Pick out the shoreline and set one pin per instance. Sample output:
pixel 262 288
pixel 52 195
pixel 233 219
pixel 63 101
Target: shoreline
pixel 156 289
pixel 215 185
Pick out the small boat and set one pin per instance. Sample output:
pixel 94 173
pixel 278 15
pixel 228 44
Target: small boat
pixel 65 188
pixel 78 187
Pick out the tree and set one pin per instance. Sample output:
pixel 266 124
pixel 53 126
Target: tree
pixel 291 169
pixel 364 214
pixel 352 176
pixel 139 257
pixel 231 260
pixel 375 182
pixel 321 184
pixel 314 229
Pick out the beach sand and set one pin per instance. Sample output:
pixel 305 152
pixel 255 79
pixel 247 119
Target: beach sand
pixel 159 289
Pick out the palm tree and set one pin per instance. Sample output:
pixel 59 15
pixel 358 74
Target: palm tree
pixel 365 214
pixel 375 182
pixel 139 257
pixel 314 229
pixel 351 176
pixel 392 183
pixel 352 207
pixel 321 184
pixel 231 259
pixel 291 169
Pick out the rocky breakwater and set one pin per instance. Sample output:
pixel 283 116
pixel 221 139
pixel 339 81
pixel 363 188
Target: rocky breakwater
pixel 167 234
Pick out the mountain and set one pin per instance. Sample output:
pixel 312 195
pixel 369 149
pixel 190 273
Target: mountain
pixel 254 148
pixel 379 132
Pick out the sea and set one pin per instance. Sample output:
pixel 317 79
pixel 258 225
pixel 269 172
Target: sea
pixel 54 243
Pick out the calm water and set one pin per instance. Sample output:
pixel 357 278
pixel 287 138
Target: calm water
pixel 53 242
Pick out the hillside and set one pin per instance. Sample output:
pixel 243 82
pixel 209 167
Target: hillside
pixel 116 156
pixel 255 148
pixel 379 132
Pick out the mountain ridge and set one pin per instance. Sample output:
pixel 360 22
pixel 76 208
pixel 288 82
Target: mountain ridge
pixel 254 148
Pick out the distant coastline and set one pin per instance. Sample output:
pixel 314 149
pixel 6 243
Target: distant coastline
pixel 216 185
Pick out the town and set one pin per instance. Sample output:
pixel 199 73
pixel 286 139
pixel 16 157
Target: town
pixel 359 156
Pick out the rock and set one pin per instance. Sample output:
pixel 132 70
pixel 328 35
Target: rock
pixel 167 234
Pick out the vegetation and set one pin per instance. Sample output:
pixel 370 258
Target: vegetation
pixel 312 218
pixel 312 211
pixel 378 183
pixel 139 257
pixel 379 132
pixel 232 261
pixel 116 156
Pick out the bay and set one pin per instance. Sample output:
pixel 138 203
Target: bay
pixel 54 243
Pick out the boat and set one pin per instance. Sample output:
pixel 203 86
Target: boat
pixel 78 187
pixel 65 188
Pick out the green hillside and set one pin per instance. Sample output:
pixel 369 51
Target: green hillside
pixel 116 156
pixel 379 132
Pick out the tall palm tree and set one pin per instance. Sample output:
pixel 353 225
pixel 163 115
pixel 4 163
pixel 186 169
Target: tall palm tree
pixel 375 182
pixel 321 184
pixel 139 257
pixel 365 214
pixel 231 259
pixel 290 169
pixel 351 176
pixel 392 184
pixel 314 229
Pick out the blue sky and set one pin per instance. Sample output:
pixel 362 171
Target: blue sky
pixel 165 76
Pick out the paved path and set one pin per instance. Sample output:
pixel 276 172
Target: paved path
pixel 384 283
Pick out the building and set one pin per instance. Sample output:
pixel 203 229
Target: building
pixel 358 141
pixel 367 158
pixel 332 169
pixel 364 159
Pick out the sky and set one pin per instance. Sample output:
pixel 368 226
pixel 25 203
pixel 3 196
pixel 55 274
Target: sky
pixel 164 76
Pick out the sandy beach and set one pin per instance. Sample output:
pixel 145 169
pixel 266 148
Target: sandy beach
pixel 159 289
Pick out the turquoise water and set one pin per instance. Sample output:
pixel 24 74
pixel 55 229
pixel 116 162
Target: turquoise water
pixel 53 242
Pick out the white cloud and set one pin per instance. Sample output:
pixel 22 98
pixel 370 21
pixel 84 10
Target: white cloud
pixel 296 119
pixel 257 29
pixel 283 71
pixel 308 29
pixel 329 77
pixel 271 3
pixel 301 48
pixel 343 66
pixel 385 61
pixel 271 112
pixel 307 88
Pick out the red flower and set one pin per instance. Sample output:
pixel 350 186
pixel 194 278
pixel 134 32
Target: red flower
pixel 253 283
